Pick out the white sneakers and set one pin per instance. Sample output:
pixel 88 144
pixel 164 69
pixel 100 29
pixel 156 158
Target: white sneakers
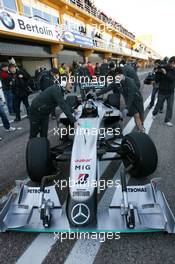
pixel 169 124
pixel 11 129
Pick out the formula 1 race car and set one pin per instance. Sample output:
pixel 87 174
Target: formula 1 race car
pixel 35 206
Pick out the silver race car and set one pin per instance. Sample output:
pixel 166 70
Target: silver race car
pixel 34 206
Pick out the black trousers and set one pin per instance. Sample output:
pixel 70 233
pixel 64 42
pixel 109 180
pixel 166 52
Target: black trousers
pixel 170 102
pixel 17 103
pixel 39 124
pixel 153 95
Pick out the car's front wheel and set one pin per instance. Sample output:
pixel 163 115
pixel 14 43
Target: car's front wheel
pixel 139 154
pixel 38 160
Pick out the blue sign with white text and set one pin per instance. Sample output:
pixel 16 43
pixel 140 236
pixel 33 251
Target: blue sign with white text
pixel 76 38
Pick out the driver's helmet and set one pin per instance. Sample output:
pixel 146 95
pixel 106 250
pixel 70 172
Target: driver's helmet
pixel 90 109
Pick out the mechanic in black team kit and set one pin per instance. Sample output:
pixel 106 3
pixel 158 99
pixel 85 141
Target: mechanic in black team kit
pixel 43 105
pixel 132 96
pixel 130 72
pixel 46 79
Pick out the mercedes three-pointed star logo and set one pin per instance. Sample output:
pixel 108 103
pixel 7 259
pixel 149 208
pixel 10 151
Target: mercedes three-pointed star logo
pixel 80 214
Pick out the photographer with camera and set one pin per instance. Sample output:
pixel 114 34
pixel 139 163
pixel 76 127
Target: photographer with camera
pixel 155 84
pixel 165 75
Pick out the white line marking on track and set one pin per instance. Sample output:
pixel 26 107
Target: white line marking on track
pixel 148 122
pixel 38 250
pixel 88 249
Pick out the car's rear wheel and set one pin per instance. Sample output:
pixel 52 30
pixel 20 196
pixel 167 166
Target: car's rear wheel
pixel 140 152
pixel 38 160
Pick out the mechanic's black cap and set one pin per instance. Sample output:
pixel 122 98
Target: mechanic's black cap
pixel 4 64
pixel 172 59
pixel 112 65
pixel 54 70
pixel 119 70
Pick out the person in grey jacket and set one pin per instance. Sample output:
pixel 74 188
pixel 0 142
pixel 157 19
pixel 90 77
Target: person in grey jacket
pixel 43 105
pixel 132 96
pixel 129 71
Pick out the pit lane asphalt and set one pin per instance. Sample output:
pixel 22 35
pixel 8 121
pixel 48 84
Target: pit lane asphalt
pixel 150 248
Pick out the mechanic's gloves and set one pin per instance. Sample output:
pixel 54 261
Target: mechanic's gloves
pixel 125 113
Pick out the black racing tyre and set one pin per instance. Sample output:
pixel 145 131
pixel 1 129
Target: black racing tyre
pixel 38 158
pixel 139 151
pixel 114 100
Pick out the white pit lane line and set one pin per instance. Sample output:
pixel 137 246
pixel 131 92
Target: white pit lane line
pixel 38 249
pixel 42 245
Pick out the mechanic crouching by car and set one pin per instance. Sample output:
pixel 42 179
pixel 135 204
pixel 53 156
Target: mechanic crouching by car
pixel 166 78
pixel 43 105
pixel 47 79
pixel 132 96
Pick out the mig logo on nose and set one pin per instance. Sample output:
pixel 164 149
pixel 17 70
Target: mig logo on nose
pixel 7 20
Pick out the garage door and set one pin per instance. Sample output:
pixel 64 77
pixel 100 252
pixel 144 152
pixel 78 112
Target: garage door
pixel 96 58
pixel 32 64
pixel 68 56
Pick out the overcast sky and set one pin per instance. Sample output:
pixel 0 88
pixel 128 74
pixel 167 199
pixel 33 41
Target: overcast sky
pixel 146 17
